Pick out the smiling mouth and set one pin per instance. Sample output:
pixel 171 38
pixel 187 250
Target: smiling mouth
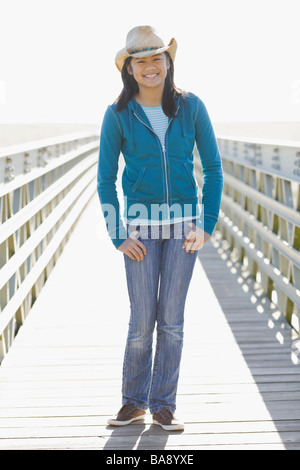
pixel 152 75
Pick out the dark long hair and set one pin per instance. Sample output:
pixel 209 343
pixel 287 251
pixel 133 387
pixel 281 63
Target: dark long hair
pixel 131 88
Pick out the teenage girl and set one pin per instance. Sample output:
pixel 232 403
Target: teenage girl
pixel 156 126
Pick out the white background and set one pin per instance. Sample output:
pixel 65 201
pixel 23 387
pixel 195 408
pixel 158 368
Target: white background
pixel 242 57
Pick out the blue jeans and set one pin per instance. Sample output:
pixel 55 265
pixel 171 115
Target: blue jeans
pixel 157 288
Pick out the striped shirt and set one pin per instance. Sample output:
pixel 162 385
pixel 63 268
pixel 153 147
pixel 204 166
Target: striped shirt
pixel 158 120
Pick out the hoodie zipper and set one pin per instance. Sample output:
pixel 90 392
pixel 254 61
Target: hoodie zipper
pixel 164 155
pixel 165 161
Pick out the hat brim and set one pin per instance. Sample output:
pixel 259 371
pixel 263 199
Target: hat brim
pixel 123 54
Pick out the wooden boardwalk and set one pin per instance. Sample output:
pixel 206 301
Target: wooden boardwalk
pixel 239 385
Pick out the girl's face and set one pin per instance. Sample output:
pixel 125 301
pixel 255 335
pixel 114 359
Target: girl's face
pixel 149 71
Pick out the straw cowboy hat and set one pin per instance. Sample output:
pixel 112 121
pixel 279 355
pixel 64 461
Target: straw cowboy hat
pixel 142 41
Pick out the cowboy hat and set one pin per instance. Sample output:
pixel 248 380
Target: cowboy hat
pixel 142 41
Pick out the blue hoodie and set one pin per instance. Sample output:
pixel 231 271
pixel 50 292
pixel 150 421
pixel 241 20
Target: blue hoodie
pixel 158 181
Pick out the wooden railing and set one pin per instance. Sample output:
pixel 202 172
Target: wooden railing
pixel 44 187
pixel 260 215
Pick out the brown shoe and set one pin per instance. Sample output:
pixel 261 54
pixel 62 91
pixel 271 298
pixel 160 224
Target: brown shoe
pixel 127 414
pixel 167 421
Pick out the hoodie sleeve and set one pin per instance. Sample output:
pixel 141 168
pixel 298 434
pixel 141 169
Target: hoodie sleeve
pixel 211 166
pixel 109 152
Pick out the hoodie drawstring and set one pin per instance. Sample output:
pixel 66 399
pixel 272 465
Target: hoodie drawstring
pixel 183 124
pixel 132 141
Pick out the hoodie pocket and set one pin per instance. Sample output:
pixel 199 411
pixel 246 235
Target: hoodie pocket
pixel 139 179
pixel 182 182
pixel 189 173
pixel 149 185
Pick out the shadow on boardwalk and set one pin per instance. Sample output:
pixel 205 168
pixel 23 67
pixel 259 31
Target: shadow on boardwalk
pixel 139 437
pixel 263 335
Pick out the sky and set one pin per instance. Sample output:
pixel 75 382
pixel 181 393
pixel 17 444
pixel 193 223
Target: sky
pixel 241 57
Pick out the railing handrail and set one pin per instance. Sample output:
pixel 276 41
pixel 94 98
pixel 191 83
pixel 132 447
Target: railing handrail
pixel 17 220
pixel 36 172
pixel 261 140
pixel 9 150
pixel 277 207
pixel 266 233
pixel 279 159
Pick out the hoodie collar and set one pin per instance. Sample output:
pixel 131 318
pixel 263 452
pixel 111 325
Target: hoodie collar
pixel 135 108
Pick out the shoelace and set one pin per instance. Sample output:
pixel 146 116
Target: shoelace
pixel 127 408
pixel 165 413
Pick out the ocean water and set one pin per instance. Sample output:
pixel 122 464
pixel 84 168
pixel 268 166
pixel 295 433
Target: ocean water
pixel 12 134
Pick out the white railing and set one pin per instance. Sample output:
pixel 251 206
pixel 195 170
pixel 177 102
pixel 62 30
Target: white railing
pixel 44 187
pixel 260 215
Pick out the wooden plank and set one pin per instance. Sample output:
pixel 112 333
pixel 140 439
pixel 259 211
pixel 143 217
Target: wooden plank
pixel 54 405
pixel 149 436
pixel 103 402
pixel 136 429
pixel 256 408
pixel 89 393
pixel 168 441
pixel 205 414
pixel 158 442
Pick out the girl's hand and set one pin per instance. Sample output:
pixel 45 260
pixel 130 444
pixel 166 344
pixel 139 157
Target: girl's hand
pixel 133 248
pixel 195 239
